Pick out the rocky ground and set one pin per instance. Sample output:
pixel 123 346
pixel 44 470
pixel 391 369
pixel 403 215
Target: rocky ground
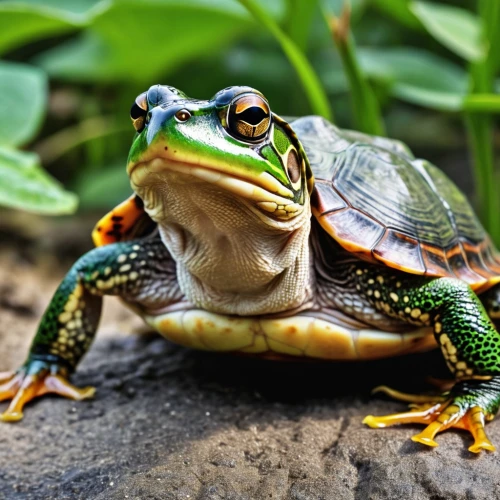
pixel 170 423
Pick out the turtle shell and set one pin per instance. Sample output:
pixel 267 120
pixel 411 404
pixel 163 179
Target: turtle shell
pixel 379 202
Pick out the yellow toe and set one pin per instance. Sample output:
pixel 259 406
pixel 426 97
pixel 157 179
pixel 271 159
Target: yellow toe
pixel 13 416
pixel 420 438
pixel 374 422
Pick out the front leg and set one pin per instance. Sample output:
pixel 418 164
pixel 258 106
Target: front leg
pixel 133 270
pixel 468 340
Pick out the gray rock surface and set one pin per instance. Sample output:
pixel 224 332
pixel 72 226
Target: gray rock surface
pixel 170 423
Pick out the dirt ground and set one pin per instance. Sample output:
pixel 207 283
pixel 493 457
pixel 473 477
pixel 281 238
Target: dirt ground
pixel 171 423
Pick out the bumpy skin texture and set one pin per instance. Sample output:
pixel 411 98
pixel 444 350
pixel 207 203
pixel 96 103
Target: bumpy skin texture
pixel 228 184
pixel 140 272
pixel 468 340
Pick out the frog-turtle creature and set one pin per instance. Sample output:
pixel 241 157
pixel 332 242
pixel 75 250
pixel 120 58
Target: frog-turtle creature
pixel 250 234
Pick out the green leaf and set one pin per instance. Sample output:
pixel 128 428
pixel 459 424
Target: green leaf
pixel 25 185
pixel 416 76
pixel 65 7
pixel 26 21
pixel 140 41
pixel 457 29
pixel 399 10
pixel 23 99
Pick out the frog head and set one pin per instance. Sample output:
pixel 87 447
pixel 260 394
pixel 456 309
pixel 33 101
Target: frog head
pixel 232 142
pixel 227 182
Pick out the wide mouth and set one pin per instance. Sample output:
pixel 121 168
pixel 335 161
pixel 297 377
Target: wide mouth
pixel 263 190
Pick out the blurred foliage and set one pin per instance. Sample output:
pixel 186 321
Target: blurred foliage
pixel 70 70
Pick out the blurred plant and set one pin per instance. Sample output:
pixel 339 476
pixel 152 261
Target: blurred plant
pixel 24 184
pixel 416 68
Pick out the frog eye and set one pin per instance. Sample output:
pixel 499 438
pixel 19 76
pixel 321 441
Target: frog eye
pixel 249 117
pixel 183 115
pixel 138 112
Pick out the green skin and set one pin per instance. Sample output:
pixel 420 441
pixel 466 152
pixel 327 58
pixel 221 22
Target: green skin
pixel 462 326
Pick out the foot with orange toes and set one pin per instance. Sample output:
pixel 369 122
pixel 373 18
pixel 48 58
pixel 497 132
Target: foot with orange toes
pixel 467 406
pixel 35 379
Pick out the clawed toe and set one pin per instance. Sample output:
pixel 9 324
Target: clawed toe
pixel 439 414
pixel 21 388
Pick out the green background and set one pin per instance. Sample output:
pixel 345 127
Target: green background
pixel 423 72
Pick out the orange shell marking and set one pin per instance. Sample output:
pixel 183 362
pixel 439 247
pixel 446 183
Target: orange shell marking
pixel 118 224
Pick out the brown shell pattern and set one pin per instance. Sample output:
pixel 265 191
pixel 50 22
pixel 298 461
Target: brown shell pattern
pixel 375 199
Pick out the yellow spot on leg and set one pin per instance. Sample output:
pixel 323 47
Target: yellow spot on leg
pixel 64 317
pixel 416 313
pixel 444 339
pixel 424 317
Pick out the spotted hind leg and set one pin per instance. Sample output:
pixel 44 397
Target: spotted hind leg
pixel 139 271
pixel 469 342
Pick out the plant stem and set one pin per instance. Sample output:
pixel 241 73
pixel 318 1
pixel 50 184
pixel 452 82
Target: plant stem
pixel 482 103
pixel 310 81
pixel 480 125
pixel 298 21
pixel 365 106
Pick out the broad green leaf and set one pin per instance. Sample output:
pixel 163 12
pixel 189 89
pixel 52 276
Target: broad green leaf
pixel 23 99
pixel 416 76
pixel 139 41
pixel 25 185
pixel 66 7
pixel 399 10
pixel 26 21
pixel 457 29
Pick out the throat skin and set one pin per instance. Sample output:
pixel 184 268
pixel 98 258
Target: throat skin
pixel 230 257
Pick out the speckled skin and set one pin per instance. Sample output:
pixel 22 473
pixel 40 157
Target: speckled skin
pixel 250 205
pixel 137 271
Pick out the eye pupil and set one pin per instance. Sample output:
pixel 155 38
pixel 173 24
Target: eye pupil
pixel 136 111
pixel 183 115
pixel 253 115
pixel 249 117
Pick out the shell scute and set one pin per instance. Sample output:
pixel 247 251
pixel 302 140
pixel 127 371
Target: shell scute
pixel 397 247
pixel 326 198
pixel 401 211
pixel 353 227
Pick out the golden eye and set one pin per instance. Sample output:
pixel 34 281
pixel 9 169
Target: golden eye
pixel 249 117
pixel 183 115
pixel 138 112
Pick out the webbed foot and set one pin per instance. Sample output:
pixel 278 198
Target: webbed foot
pixel 467 406
pixel 35 379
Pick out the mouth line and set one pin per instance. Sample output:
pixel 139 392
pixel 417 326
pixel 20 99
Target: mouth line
pixel 266 200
